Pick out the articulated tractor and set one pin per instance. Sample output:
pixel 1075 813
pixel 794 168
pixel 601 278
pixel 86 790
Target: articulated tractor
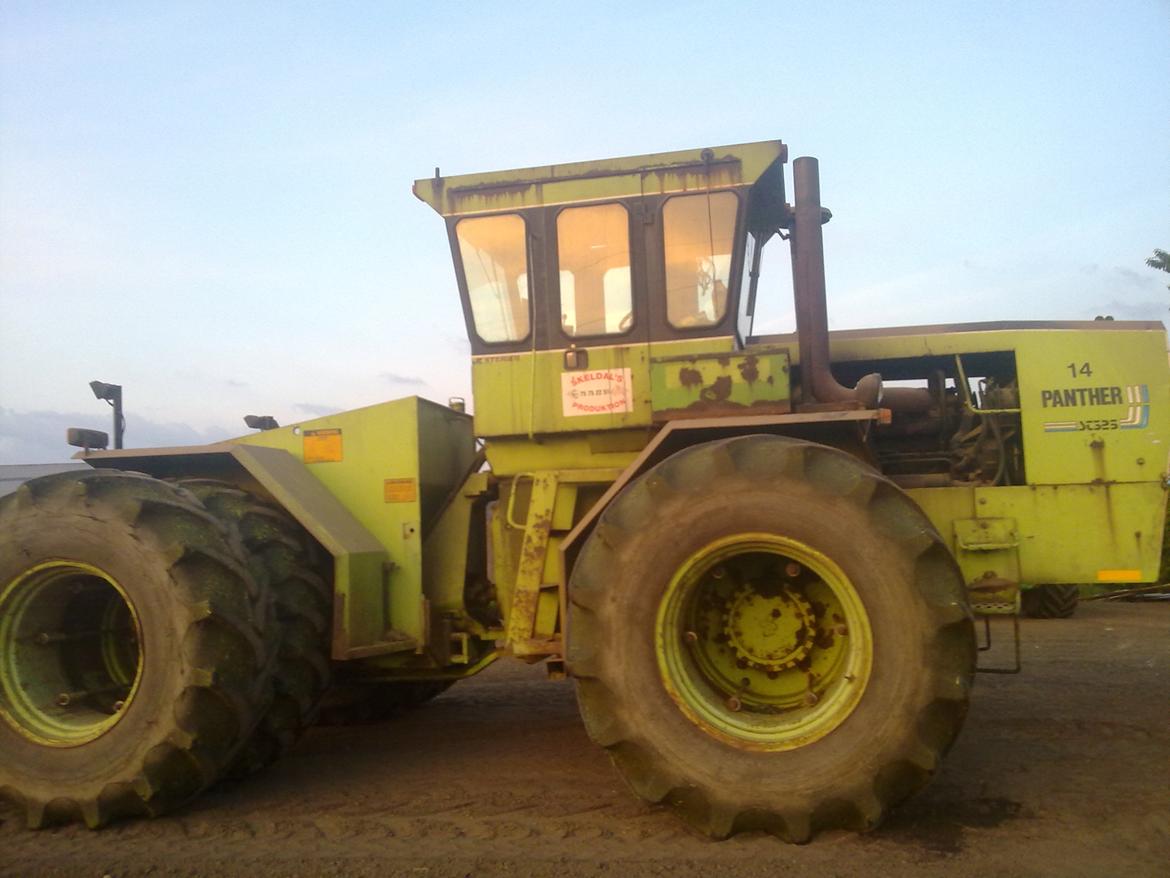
pixel 765 561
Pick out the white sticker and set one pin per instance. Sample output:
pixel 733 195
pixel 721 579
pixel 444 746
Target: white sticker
pixel 596 392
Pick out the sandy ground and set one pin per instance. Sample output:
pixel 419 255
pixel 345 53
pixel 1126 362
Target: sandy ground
pixel 1062 771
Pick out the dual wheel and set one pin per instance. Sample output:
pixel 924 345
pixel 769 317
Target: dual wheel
pixel 153 638
pixel 768 635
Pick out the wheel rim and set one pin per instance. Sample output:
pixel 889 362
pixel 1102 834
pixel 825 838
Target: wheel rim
pixel 70 653
pixel 763 642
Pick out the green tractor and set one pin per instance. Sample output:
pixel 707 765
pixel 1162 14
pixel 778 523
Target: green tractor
pixel 760 558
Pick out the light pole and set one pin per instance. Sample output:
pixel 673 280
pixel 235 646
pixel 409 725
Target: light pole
pixel 111 393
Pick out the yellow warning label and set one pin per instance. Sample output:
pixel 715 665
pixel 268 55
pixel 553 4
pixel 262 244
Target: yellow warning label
pixel 322 446
pixel 400 490
pixel 1119 576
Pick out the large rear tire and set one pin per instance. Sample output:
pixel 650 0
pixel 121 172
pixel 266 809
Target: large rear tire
pixel 1049 601
pixel 766 634
pixel 279 553
pixel 132 667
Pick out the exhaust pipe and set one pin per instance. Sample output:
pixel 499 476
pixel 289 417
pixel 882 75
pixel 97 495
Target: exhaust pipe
pixel 808 288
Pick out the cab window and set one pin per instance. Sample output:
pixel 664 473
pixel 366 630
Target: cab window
pixel 698 232
pixel 495 265
pixel 593 252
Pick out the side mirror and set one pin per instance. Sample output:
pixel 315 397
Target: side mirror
pixel 79 437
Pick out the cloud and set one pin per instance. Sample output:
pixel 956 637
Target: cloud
pixel 408 380
pixel 316 409
pixel 39 437
pixel 1134 278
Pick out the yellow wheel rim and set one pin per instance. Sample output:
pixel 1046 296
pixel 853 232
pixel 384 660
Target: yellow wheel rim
pixel 763 642
pixel 70 653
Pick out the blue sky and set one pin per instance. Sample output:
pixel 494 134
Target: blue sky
pixel 210 203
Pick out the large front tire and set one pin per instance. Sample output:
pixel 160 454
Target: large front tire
pixel 132 667
pixel 766 634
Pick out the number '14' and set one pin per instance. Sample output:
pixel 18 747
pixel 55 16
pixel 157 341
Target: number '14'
pixel 1080 369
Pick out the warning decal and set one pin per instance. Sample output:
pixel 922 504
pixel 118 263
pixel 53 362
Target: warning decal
pixel 322 446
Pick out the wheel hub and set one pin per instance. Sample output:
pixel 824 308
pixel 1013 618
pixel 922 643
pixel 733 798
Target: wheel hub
pixel 770 632
pixel 763 641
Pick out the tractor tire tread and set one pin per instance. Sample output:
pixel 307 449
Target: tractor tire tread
pixel 278 550
pixel 1049 601
pixel 223 633
pixel 891 513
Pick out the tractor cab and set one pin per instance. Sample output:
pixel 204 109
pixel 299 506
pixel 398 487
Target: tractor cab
pixel 616 294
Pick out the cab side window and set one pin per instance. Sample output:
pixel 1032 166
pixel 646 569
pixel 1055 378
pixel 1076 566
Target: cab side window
pixel 699 235
pixel 495 264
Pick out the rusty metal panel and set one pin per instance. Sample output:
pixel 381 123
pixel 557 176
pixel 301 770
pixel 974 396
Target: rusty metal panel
pixel 716 384
pixel 520 606
pixel 1065 533
pixel 1083 533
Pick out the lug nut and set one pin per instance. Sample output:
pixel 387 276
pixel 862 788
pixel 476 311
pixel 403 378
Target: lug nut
pixel 691 637
pixel 810 699
pixel 118 705
pixel 792 570
pixel 718 573
pixel 733 703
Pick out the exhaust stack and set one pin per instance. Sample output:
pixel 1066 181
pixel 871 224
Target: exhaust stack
pixel 808 289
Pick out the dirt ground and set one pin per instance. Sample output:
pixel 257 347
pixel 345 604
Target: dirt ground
pixel 1064 770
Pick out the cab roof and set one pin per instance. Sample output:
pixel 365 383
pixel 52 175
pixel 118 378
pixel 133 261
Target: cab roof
pixel 717 167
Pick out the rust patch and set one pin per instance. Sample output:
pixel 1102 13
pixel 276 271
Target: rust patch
pixel 524 602
pixel 750 369
pixel 689 378
pixel 719 391
pixel 724 361
pixel 824 639
pixel 534 550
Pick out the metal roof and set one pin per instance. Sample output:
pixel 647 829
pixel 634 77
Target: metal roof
pixel 716 167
